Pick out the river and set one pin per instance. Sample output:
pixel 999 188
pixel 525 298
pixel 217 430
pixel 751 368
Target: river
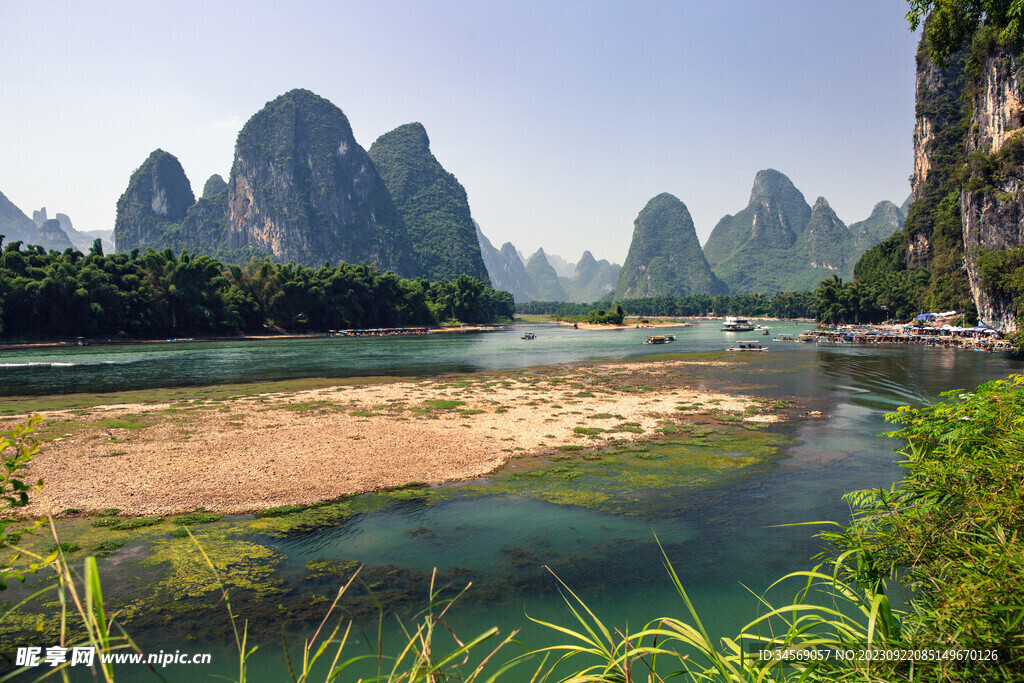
pixel 722 538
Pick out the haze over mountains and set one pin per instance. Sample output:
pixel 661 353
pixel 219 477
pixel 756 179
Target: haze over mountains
pixel 56 233
pixel 302 189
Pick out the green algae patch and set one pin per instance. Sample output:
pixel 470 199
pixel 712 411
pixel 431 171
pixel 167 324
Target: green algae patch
pixel 612 478
pixel 240 565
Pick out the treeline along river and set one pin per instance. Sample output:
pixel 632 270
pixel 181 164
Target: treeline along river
pixel 720 532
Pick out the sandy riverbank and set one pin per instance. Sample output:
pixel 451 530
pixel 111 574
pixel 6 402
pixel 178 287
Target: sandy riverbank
pixel 629 325
pixel 265 450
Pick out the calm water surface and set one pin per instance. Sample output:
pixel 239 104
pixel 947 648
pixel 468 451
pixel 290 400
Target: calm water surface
pixel 719 540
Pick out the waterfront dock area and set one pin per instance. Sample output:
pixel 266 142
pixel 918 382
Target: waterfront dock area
pixel 947 336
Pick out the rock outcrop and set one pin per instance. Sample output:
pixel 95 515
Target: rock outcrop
pixel 432 203
pixel 52 236
pixel 151 210
pixel 665 257
pixel 302 189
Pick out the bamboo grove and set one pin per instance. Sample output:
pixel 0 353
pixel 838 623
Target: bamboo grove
pixel 157 293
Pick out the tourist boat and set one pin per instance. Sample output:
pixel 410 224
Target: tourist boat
pixel 785 338
pixel 665 339
pixel 732 324
pixel 529 335
pixel 747 346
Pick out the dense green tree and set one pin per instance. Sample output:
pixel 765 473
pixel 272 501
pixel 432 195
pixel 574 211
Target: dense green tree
pixel 949 24
pixel 157 293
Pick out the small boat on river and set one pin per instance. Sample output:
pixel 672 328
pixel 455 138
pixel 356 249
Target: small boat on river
pixel 529 335
pixel 747 346
pixel 661 339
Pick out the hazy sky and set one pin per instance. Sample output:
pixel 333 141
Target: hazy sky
pixel 561 119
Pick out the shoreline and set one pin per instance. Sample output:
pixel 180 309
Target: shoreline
pixel 70 343
pixel 247 453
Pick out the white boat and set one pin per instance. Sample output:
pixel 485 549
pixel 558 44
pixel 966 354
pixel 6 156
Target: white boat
pixel 732 324
pixel 747 346
pixel 660 339
pixel 529 335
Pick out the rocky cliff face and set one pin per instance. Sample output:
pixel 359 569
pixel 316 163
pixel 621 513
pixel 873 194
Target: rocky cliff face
pixel 664 256
pixel 205 226
pixel 156 201
pixel 15 226
pixel 432 203
pixel 302 189
pixel 992 199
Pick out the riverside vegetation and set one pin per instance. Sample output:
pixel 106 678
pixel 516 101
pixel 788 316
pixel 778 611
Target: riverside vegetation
pixel 157 293
pixel 949 531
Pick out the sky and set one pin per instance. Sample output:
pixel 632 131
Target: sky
pixel 561 119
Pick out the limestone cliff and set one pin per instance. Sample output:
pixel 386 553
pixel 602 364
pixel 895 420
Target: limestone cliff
pixel 302 189
pixel 156 201
pixel 992 199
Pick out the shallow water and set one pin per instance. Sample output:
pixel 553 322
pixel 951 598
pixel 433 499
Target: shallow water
pixel 722 538
pixel 35 371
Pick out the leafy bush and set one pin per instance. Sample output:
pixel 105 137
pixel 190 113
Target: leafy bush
pixel 951 528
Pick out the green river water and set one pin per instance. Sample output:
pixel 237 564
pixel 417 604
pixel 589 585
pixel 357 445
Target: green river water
pixel 714 505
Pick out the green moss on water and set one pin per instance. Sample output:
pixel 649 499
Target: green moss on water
pixel 197 517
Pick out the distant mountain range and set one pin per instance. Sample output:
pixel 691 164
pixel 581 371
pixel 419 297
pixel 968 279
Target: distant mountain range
pixel 302 189
pixel 52 233
pixel 538 279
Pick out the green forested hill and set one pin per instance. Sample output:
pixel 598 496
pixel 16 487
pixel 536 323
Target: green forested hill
pixel 665 257
pixel 544 278
pixel 432 203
